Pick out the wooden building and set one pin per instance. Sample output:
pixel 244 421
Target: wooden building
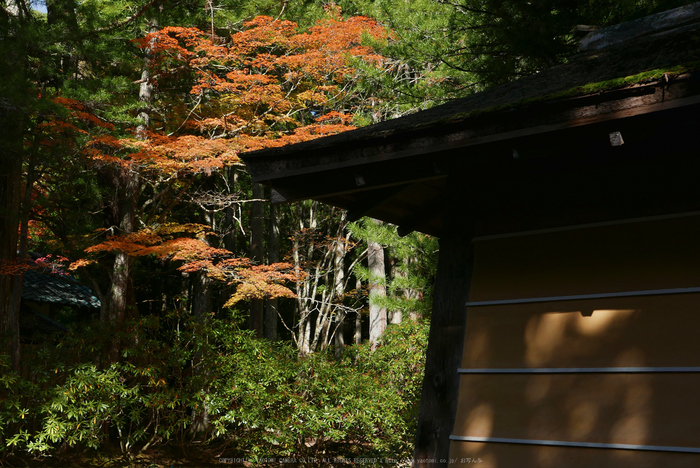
pixel 566 324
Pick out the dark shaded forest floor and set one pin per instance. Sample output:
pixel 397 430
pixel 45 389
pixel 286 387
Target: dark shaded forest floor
pixel 188 456
pixel 167 456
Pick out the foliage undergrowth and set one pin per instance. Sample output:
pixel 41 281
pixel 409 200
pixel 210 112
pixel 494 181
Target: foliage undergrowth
pixel 185 381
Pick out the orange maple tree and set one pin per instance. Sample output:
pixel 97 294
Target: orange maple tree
pixel 173 242
pixel 266 85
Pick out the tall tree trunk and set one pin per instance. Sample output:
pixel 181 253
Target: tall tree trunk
pixel 306 289
pixel 257 232
pixel 21 257
pixel 201 307
pixel 395 316
pixel 302 291
pixel 377 291
pixel 357 338
pixel 339 339
pixel 10 206
pixel 12 131
pixel 120 297
pixel 273 255
pixel 305 347
pixel 146 88
pixel 122 211
pixel 127 184
pixel 341 247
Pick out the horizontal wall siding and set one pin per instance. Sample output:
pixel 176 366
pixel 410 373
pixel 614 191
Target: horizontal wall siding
pixel 481 455
pixel 621 373
pixel 648 331
pixel 627 257
pixel 632 409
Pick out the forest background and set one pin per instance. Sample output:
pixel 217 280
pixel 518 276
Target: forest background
pixel 228 327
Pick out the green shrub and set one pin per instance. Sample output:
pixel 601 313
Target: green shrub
pixel 181 380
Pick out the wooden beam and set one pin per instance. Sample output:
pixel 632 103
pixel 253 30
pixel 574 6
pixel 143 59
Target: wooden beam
pixel 536 119
pixel 438 406
pixel 362 179
pixel 373 200
pixel 439 397
pixel 428 212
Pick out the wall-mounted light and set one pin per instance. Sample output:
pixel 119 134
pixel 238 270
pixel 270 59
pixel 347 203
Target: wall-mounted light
pixel 616 139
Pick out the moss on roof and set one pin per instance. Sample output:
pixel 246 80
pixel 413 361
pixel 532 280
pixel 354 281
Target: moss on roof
pixel 646 77
pixel 623 82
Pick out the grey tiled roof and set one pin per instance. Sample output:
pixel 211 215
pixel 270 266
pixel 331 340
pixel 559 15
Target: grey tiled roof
pixel 42 285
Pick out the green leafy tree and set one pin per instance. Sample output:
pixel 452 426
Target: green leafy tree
pixel 416 75
pixel 411 267
pixel 502 40
pixel 153 137
pixel 440 50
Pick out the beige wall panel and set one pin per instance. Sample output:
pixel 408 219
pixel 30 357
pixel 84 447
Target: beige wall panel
pixel 660 409
pixel 638 409
pixel 479 455
pixel 628 257
pixel 648 331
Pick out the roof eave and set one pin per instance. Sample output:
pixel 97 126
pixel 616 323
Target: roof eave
pixel 473 130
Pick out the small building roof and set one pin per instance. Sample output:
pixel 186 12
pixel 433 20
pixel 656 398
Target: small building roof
pixel 43 285
pixel 604 102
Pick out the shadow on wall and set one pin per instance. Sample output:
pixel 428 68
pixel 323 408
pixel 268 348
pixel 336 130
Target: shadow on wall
pixel 610 407
pixel 553 345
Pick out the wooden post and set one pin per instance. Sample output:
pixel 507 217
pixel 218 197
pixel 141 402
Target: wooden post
pixel 438 404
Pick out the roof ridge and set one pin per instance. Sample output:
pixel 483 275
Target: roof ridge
pixel 652 24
